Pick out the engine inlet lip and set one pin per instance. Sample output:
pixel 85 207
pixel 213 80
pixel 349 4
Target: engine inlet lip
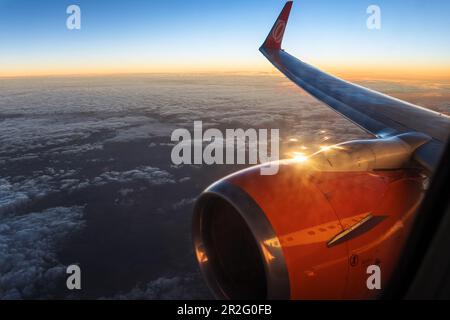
pixel 276 272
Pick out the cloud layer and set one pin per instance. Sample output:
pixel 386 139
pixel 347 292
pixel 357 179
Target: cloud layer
pixel 91 157
pixel 28 251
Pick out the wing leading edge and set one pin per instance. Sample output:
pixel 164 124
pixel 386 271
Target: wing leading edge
pixel 377 113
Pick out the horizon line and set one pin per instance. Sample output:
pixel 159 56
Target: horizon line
pixel 362 74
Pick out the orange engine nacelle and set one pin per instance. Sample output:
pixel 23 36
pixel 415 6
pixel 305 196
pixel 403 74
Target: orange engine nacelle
pixel 303 233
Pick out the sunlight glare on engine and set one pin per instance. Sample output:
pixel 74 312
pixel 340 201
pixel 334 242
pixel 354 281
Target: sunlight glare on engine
pixel 325 148
pixel 299 157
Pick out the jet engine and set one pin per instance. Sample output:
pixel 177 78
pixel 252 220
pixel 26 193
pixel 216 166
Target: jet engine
pixel 312 230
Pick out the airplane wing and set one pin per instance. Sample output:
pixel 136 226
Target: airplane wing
pixel 376 113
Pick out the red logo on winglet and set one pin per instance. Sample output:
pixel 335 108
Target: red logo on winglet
pixel 278 31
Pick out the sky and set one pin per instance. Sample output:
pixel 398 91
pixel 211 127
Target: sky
pixel 222 36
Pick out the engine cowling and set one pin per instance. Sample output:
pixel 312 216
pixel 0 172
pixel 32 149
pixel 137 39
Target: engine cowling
pixel 308 232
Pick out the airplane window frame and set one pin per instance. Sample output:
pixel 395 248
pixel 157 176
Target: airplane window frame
pixel 427 247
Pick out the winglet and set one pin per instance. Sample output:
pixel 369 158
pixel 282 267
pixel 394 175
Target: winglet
pixel 275 37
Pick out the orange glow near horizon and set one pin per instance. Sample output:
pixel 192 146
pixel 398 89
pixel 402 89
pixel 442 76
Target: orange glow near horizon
pixel 385 72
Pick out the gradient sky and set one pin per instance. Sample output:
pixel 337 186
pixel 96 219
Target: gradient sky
pixel 221 35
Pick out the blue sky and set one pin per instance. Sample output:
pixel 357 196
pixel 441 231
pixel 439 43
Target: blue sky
pixel 160 36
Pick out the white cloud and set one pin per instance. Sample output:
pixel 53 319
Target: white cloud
pixel 147 174
pixel 183 203
pixel 141 132
pixel 19 192
pixel 10 200
pixel 28 250
pixel 167 288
